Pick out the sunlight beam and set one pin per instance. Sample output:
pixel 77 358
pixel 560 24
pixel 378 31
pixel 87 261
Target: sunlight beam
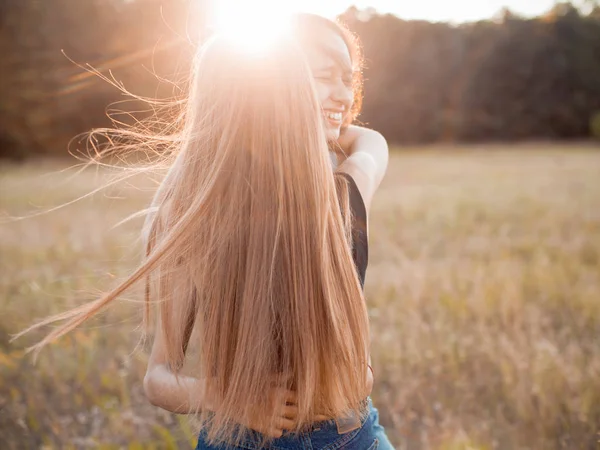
pixel 253 25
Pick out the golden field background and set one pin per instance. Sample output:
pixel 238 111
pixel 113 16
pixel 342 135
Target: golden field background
pixel 483 289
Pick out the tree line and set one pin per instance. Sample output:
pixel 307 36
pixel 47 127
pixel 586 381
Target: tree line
pixel 505 78
pixel 502 79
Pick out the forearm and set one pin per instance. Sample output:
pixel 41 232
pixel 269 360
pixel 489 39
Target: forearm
pixel 181 395
pixel 187 395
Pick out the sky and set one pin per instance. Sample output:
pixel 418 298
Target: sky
pixel 454 11
pixel 434 10
pixel 238 17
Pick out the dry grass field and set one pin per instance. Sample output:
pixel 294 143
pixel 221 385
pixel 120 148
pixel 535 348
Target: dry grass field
pixel 483 290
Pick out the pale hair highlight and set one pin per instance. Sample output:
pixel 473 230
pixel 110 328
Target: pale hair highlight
pixel 248 247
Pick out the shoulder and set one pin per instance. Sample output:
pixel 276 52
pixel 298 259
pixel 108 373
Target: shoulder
pixel 368 160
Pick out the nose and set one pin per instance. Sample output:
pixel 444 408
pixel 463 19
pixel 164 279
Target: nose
pixel 342 94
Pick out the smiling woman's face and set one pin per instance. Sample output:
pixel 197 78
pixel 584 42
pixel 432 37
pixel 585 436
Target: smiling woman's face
pixel 331 65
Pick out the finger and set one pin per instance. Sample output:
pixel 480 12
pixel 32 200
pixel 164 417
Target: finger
pixel 275 432
pixel 286 424
pixel 291 396
pixel 285 395
pixel 321 417
pixel 290 411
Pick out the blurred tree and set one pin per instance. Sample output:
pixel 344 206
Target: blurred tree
pixel 506 78
pixel 509 78
pixel 45 99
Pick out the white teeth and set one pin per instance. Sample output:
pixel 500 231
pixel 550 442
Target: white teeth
pixel 335 116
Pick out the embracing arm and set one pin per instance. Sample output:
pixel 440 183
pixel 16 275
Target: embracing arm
pixel 367 159
pixel 182 394
pixel 185 394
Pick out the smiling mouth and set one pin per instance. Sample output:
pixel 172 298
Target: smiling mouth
pixel 334 117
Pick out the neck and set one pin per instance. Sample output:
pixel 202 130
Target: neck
pixel 334 159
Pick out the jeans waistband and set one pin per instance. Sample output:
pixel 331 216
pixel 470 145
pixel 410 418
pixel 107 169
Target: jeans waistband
pixel 344 424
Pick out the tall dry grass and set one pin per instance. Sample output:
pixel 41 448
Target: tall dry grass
pixel 483 289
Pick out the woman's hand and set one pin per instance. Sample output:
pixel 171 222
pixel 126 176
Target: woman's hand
pixel 349 137
pixel 284 403
pixel 188 395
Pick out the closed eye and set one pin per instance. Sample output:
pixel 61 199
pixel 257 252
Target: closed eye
pixel 347 80
pixel 325 77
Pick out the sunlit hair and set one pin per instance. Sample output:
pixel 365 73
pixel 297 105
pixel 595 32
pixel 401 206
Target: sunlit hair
pixel 248 246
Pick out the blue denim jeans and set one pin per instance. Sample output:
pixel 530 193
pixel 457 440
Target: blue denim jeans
pixel 322 436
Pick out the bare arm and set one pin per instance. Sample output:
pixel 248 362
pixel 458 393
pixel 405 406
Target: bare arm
pixel 182 394
pixel 367 159
pixel 187 395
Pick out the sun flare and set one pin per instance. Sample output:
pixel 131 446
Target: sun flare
pixel 253 25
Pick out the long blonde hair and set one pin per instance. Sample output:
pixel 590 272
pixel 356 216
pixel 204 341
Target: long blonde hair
pixel 248 241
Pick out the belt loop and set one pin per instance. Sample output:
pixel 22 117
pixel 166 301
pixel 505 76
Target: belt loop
pixel 347 424
pixel 352 421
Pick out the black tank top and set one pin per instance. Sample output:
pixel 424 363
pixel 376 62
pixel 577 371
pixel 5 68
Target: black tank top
pixel 360 243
